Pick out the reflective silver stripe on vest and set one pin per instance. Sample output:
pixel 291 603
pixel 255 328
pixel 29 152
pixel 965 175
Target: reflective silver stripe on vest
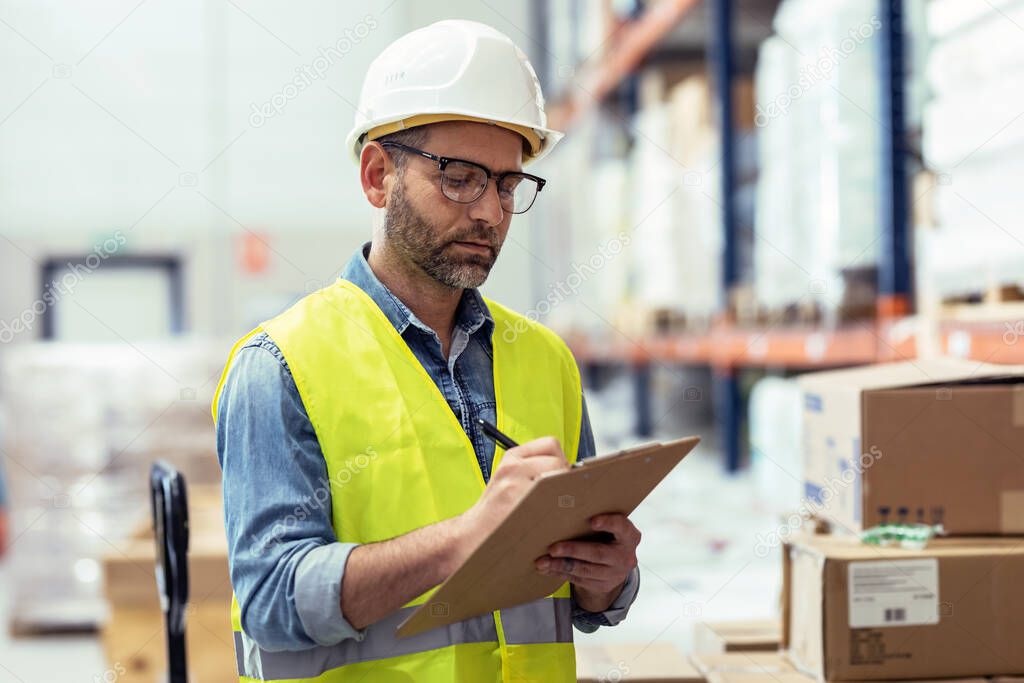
pixel 379 642
pixel 542 621
pixel 240 653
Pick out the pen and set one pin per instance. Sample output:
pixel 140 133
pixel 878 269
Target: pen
pixel 496 434
pixel 502 439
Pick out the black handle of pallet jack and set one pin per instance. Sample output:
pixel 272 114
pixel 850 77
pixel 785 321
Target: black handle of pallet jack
pixel 170 528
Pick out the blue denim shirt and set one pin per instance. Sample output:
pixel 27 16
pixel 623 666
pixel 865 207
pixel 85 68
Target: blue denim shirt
pixel 286 562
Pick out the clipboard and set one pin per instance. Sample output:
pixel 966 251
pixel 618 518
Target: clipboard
pixel 500 572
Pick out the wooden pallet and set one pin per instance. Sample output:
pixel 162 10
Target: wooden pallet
pixel 800 315
pixel 48 619
pixel 804 313
pixel 859 302
pixel 655 321
pixel 996 303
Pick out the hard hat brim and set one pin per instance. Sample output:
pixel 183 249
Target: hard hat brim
pixel 546 137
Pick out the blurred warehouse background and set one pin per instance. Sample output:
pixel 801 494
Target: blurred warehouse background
pixel 748 190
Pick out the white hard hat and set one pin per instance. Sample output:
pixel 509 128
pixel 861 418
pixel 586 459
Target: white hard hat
pixel 452 70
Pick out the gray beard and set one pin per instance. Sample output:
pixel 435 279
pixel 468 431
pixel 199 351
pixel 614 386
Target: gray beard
pixel 413 236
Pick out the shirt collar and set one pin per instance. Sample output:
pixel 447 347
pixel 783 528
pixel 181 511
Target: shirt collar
pixel 472 314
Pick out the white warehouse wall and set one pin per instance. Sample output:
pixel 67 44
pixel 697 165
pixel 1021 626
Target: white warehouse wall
pixel 138 118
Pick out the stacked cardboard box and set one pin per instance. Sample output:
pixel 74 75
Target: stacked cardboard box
pixel 931 441
pixel 720 637
pixel 938 442
pixel 764 663
pixel 857 612
pixel 133 635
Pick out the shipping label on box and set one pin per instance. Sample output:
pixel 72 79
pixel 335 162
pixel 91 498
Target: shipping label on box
pixel 893 592
pixel 854 612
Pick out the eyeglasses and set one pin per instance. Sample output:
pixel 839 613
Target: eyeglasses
pixel 465 181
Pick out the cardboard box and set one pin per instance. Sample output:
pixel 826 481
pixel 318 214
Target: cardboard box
pixel 937 441
pixel 133 636
pixel 775 667
pixel 792 676
pixel 135 645
pixel 752 635
pixel 859 612
pixel 747 662
pixel 641 662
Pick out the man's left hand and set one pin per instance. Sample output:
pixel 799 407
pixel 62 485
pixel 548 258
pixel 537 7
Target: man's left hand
pixel 597 571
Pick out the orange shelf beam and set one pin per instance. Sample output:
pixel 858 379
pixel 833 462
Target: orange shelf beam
pixel 732 347
pixel 627 50
pixel 800 348
pixel 726 346
pixel 990 342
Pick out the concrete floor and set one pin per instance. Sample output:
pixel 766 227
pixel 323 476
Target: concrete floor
pixel 697 558
pixel 50 659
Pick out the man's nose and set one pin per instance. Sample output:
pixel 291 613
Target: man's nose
pixel 487 207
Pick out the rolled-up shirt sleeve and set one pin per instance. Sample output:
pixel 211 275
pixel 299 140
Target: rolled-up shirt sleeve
pixel 285 560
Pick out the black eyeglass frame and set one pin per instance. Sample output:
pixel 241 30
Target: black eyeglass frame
pixel 443 162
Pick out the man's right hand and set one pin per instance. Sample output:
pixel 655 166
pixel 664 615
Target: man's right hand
pixel 381 577
pixel 518 468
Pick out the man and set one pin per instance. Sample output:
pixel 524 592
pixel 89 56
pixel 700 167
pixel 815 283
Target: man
pixel 355 477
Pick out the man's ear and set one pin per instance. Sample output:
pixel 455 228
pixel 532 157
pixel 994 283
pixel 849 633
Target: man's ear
pixel 376 172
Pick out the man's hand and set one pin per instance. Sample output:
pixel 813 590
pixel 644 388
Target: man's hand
pixel 597 571
pixel 518 468
pixel 381 577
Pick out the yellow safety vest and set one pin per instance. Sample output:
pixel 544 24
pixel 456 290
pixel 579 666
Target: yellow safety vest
pixel 397 460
